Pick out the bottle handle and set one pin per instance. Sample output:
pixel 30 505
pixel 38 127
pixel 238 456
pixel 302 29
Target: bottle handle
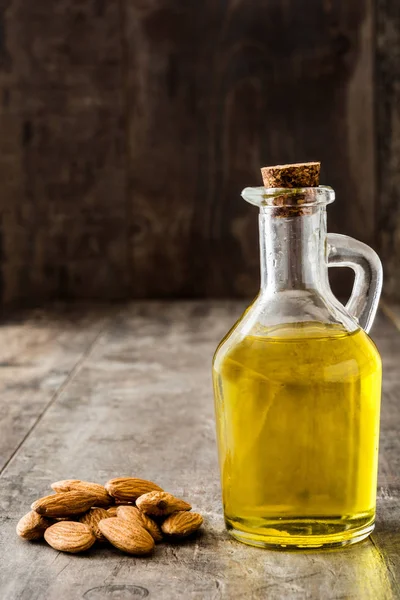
pixel 344 251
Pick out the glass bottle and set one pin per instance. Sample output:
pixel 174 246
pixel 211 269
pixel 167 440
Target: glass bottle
pixel 297 385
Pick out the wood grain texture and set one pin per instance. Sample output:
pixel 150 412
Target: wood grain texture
pixel 387 534
pixel 129 128
pixel 38 352
pixel 388 140
pixel 216 90
pixel 62 157
pixel 141 404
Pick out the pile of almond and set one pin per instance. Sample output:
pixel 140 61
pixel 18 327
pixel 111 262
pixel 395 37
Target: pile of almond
pixel 132 514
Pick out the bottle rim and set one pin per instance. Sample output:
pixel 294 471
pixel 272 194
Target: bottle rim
pixel 296 197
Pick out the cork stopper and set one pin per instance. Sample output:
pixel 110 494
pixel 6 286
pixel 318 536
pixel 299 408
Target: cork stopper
pixel 297 175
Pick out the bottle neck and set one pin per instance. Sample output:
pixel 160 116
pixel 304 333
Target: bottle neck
pixel 293 251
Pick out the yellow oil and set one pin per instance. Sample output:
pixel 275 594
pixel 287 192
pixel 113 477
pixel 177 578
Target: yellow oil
pixel 297 410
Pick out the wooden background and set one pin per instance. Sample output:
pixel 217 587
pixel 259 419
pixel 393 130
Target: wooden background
pixel 129 127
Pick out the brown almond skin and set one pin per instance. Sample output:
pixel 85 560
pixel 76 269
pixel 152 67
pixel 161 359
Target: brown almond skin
pixel 92 519
pixel 32 526
pixel 103 499
pixel 69 536
pixel 160 504
pixel 131 513
pixel 64 504
pixel 126 536
pixel 129 488
pixel 152 527
pixel 182 523
pixel 112 511
pixel 65 485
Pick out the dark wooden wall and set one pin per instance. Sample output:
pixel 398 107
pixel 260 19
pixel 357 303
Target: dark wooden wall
pixel 128 129
pixel 388 140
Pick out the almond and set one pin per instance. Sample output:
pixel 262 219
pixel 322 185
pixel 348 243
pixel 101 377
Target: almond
pixel 160 504
pixel 182 523
pixel 112 511
pixel 126 536
pixel 152 527
pixel 103 499
pixel 69 536
pixel 130 488
pixel 32 526
pixel 92 518
pixel 131 513
pixel 65 485
pixel 64 504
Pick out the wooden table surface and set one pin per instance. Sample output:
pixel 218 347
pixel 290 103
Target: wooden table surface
pixel 96 392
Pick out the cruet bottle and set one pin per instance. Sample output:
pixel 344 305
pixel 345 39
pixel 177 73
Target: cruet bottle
pixel 297 380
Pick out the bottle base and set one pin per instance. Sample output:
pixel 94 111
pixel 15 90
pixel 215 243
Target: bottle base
pixel 302 534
